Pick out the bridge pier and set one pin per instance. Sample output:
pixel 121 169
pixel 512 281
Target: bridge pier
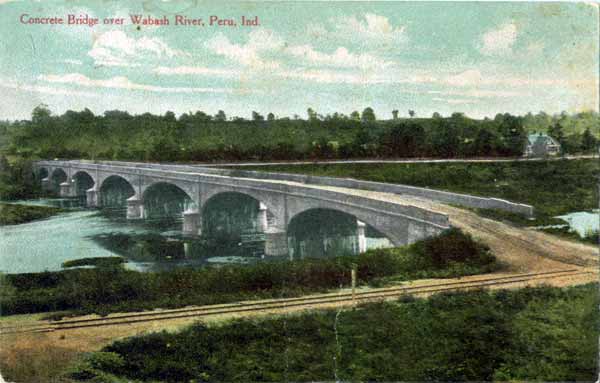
pixel 92 197
pixel 276 243
pixel 191 222
pixel 263 223
pixel 46 185
pixel 135 208
pixel 66 189
pixel 362 239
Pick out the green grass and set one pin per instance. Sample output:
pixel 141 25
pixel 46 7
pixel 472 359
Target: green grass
pixel 94 261
pixel 114 289
pixel 543 333
pixel 15 214
pixel 552 187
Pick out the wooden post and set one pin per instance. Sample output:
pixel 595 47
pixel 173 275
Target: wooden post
pixel 353 275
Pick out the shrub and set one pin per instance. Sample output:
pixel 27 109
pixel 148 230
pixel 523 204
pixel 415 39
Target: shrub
pixel 453 246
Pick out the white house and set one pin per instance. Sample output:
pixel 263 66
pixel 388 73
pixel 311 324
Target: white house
pixel 540 145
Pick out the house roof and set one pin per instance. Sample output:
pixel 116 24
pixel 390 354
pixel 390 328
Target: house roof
pixel 532 138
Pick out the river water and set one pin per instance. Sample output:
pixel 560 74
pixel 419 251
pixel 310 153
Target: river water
pixel 149 245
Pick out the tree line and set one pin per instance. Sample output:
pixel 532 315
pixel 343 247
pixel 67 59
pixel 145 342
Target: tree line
pixel 198 136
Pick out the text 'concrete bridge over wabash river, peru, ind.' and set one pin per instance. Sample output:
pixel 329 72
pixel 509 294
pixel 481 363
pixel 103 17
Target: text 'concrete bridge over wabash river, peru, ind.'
pixel 280 197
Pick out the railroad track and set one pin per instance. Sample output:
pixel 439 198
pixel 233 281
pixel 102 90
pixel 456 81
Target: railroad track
pixel 287 303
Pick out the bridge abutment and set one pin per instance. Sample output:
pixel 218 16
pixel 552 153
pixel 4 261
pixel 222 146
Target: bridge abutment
pixel 135 208
pixel 92 197
pixel 191 223
pixel 362 239
pixel 263 223
pixel 66 189
pixel 276 243
pixel 46 184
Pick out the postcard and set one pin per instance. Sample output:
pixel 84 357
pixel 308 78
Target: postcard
pixel 295 191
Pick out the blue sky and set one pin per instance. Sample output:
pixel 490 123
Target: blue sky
pixel 476 58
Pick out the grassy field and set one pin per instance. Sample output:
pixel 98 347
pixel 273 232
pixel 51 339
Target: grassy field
pixel 15 214
pixel 544 333
pixel 552 187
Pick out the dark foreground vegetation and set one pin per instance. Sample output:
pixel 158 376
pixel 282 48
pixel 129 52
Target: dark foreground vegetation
pixel 198 136
pixel 552 187
pixel 15 214
pixel 544 333
pixel 112 288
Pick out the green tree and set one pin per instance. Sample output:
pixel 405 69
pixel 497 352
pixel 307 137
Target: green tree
pixel 257 116
pixel 556 131
pixel 220 116
pixel 368 115
pixel 588 141
pixel 40 114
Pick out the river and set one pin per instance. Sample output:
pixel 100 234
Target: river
pixel 149 245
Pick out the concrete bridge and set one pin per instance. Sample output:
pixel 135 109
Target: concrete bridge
pixel 279 201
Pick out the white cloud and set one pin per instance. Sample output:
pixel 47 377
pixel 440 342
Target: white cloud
pixel 372 29
pixel 197 70
pixel 121 82
pixel 264 47
pixel 499 41
pixel 454 101
pixel 479 93
pixel 45 89
pixel 474 77
pixel 259 41
pixel 115 48
pixel 341 57
pixel 354 77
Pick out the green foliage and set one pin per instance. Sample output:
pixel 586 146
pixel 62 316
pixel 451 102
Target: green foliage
pixel 539 333
pixel 91 367
pixel 453 246
pixel 15 214
pixel 17 180
pixel 112 288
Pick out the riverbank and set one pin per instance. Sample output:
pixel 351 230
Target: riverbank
pixel 13 214
pixel 500 335
pixel 114 289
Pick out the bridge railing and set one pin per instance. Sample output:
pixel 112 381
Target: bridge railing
pixel 433 194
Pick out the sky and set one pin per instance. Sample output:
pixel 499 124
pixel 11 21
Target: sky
pixel 476 58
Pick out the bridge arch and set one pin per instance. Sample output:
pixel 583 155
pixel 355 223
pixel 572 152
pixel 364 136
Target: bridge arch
pixel 229 214
pixel 393 228
pixel 57 177
pixel 114 191
pixel 318 232
pixel 42 173
pixel 83 181
pixel 166 200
